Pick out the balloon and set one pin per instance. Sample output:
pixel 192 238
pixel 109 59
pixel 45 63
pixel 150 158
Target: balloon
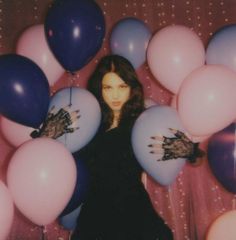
pixel 7 211
pixel 206 100
pixel 24 90
pixel 129 38
pixel 156 120
pixel 69 221
pixel 82 100
pixel 74 31
pixel 222 158
pixel 33 45
pixel 221 47
pixel 81 187
pixel 194 138
pixel 15 133
pixel 173 53
pixel 41 177
pixel 223 227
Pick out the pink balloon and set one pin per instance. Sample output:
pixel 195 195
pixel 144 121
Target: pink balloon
pixel 15 133
pixel 207 100
pixel 196 139
pixel 41 177
pixel 6 211
pixel 174 52
pixel 32 44
pixel 223 227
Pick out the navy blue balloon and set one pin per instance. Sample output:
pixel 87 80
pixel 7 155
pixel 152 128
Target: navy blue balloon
pixel 222 157
pixel 69 221
pixel 74 30
pixel 81 187
pixel 24 90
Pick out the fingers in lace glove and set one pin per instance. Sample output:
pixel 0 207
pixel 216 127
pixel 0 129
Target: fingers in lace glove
pixel 180 135
pixel 179 146
pixel 58 123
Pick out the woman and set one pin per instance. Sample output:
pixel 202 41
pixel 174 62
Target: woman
pixel 117 206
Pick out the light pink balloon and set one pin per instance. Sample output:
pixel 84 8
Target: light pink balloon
pixel 173 53
pixel 15 133
pixel 33 45
pixel 223 227
pixel 196 139
pixel 6 211
pixel 207 100
pixel 41 177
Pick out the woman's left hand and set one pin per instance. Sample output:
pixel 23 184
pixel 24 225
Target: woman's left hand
pixel 179 146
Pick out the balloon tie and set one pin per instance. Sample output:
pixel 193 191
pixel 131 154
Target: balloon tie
pixel 44 233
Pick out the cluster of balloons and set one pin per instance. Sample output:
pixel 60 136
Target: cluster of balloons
pixel 203 84
pixel 44 180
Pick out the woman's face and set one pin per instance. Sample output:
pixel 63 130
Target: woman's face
pixel 115 91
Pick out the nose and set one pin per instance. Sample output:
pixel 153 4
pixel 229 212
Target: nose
pixel 115 93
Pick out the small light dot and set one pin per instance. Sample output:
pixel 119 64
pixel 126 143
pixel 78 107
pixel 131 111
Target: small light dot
pixel 226 19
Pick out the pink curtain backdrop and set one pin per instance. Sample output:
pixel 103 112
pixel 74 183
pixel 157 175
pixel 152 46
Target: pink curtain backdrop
pixel 196 198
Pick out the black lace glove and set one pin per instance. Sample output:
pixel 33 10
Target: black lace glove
pixel 179 146
pixel 57 124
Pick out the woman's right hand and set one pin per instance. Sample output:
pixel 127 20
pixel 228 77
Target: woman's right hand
pixel 57 123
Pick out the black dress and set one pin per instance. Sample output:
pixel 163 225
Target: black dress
pixel 118 206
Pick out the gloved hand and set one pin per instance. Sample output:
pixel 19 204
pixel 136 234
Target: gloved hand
pixel 57 124
pixel 179 146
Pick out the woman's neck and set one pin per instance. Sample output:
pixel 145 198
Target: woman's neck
pixel 115 121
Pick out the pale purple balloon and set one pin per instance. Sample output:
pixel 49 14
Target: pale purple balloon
pixel 129 39
pixel 221 48
pixel 156 120
pixel 89 111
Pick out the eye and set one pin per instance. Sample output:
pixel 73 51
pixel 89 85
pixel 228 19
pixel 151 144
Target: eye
pixel 106 87
pixel 124 86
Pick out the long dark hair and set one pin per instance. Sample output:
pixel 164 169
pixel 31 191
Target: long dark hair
pixel 124 69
